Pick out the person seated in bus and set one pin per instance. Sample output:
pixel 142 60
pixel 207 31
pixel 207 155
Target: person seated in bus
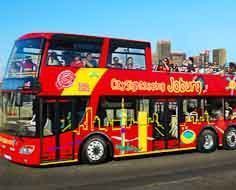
pixel 157 67
pixel 184 66
pixel 115 63
pixel 77 62
pixel 65 121
pixel 158 129
pixel 216 113
pixel 67 57
pixel 89 61
pixel 174 67
pixel 205 68
pixel 201 69
pixel 154 67
pixel 15 67
pixel 129 63
pixel 232 68
pixel 228 111
pixel 190 66
pixel 27 65
pixel 53 59
pixel 217 69
pixel 163 65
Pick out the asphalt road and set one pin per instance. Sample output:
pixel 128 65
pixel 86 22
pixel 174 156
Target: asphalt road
pixel 172 171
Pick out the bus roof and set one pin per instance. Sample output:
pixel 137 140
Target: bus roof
pixel 50 35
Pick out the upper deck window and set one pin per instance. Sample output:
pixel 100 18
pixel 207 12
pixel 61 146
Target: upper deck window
pixel 75 52
pixel 127 55
pixel 25 58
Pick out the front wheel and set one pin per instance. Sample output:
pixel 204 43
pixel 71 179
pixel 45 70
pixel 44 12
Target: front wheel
pixel 95 150
pixel 230 139
pixel 207 141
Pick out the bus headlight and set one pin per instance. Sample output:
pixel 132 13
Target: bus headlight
pixel 27 149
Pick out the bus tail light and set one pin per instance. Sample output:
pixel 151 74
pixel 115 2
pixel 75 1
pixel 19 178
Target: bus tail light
pixel 27 149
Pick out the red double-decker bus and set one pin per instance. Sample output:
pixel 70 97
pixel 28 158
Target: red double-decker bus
pixel 69 98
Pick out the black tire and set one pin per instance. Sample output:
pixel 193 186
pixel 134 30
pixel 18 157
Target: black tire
pixel 95 150
pixel 230 139
pixel 207 141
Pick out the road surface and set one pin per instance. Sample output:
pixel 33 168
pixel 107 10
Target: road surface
pixel 192 171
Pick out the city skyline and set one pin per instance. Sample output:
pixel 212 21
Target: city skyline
pixel 190 26
pixel 164 49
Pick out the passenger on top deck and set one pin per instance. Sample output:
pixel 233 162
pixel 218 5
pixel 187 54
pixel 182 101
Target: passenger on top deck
pixel 89 61
pixel 27 65
pixel 115 63
pixel 53 59
pixel 129 63
pixel 77 62
pixel 232 68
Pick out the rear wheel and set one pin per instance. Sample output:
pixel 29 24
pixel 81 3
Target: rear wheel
pixel 207 141
pixel 95 150
pixel 230 139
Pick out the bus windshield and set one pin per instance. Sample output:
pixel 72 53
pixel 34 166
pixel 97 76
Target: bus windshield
pixel 25 58
pixel 17 115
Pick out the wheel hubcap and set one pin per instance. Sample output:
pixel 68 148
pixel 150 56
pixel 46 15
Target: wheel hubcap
pixel 95 150
pixel 209 142
pixel 231 139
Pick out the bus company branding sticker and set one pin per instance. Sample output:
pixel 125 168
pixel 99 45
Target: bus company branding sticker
pixel 188 137
pixel 65 79
pixel 174 86
pixel 83 86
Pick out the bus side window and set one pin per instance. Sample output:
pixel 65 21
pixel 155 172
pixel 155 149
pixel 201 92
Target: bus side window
pixel 79 52
pixel 65 116
pixel 124 54
pixel 192 110
pixel 110 111
pixel 230 109
pixel 214 108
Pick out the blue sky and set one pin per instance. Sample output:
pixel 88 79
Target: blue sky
pixel 191 25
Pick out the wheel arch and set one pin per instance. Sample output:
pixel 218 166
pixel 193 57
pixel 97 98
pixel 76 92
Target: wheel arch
pixel 102 135
pixel 230 126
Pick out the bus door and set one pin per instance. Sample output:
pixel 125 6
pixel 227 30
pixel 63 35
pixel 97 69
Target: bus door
pixel 56 138
pixel 166 125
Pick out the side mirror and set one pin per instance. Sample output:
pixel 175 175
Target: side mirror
pixel 19 99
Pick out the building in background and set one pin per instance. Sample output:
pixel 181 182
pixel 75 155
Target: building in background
pixel 204 57
pixel 163 49
pixel 155 58
pixel 196 60
pixel 219 56
pixel 178 57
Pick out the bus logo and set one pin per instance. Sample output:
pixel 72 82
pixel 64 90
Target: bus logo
pixel 188 137
pixel 65 79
